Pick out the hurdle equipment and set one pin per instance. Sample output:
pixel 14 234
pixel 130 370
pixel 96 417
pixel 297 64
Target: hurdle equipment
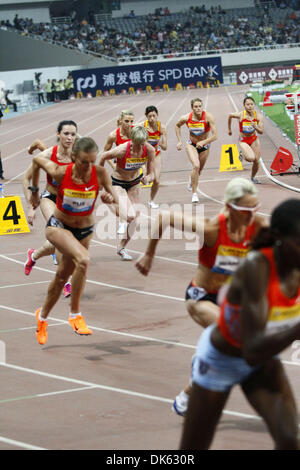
pixel 282 163
pixel 166 87
pixel 98 92
pixel 267 101
pixel 79 94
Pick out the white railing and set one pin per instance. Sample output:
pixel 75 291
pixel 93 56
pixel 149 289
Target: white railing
pixel 99 17
pixel 61 19
pixel 202 53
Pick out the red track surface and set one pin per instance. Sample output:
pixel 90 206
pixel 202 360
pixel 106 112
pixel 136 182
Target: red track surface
pixel 114 390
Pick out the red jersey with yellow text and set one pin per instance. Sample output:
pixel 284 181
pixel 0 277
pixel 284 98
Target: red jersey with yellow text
pixel 246 124
pixel 119 139
pixel 282 310
pixel 154 136
pixel 132 162
pixel 53 158
pixel 225 255
pixel 200 127
pixel 77 199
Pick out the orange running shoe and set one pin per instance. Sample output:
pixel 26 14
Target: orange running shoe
pixel 41 331
pixel 79 326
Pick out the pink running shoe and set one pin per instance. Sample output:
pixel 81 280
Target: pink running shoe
pixel 29 262
pixel 67 290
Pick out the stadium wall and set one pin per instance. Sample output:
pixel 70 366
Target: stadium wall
pixel 20 53
pixel 39 14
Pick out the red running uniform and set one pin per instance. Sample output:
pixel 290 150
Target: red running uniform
pixel 77 199
pixel 53 158
pixel 282 311
pixel 197 128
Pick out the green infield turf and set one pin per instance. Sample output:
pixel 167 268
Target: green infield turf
pixel 277 112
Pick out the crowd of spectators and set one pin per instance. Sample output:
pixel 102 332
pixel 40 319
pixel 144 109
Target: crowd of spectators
pixel 198 30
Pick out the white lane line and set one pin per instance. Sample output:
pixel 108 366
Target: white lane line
pixel 113 286
pixel 121 333
pixel 117 390
pixel 47 394
pixel 23 445
pixel 25 284
pixel 172 260
pixel 104 330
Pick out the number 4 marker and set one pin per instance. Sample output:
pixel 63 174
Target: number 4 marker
pixel 12 217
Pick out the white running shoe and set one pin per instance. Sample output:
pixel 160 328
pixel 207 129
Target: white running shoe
pixel 255 181
pixel 195 197
pixel 180 404
pixel 122 228
pixel 153 205
pixel 124 255
pixel 55 262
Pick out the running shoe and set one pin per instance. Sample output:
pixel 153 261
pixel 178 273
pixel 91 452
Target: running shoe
pixel 153 205
pixel 124 255
pixel 195 197
pixel 79 326
pixel 41 331
pixel 255 181
pixel 122 228
pixel 29 262
pixel 67 290
pixel 180 404
pixel 54 259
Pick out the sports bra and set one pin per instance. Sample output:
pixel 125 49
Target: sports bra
pixel 130 162
pixel 225 255
pixel 282 311
pixel 200 127
pixel 53 158
pixel 77 199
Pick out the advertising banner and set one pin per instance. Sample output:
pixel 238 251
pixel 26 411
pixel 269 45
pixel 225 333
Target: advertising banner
pixel 153 74
pixel 297 129
pixel 253 75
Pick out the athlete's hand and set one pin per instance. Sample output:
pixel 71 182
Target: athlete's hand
pixel 146 179
pixel 229 132
pixel 107 198
pixel 30 215
pixel 200 144
pixel 179 146
pixel 35 200
pixel 143 264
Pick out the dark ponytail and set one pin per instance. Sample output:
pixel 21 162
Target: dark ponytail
pixel 284 222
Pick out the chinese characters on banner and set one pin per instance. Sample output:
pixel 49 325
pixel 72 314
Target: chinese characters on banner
pixel 154 74
pixel 252 75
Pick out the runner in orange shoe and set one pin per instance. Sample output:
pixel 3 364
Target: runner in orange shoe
pixel 70 227
pixel 62 155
